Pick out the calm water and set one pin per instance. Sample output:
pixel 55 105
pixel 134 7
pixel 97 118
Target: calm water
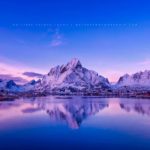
pixel 75 123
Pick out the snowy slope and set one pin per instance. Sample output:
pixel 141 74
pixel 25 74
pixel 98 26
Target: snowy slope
pixel 138 79
pixel 11 86
pixel 72 75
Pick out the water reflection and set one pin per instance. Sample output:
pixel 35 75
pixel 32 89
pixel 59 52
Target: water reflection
pixel 71 111
pixel 139 106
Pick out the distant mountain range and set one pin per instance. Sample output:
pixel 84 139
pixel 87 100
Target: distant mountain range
pixel 73 78
pixel 137 79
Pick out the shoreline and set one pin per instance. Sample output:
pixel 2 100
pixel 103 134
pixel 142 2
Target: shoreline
pixel 69 96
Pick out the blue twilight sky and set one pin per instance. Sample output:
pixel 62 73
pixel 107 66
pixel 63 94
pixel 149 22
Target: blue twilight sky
pixel 111 37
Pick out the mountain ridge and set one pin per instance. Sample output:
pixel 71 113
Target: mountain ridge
pixel 141 78
pixel 73 75
pixel 74 79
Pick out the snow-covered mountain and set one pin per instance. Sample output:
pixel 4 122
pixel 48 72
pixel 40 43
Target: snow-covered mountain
pixel 73 77
pixel 9 86
pixel 30 86
pixel 140 79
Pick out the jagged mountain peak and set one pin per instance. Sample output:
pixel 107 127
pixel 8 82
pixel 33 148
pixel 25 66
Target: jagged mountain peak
pixel 74 63
pixel 60 69
pixel 141 78
pixel 10 84
pixel 73 75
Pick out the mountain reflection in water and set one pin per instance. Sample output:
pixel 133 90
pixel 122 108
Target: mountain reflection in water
pixel 139 106
pixel 72 111
pixel 75 123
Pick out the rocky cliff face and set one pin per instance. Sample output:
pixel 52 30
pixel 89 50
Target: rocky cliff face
pixel 73 77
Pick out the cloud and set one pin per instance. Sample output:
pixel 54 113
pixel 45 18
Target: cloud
pixel 33 74
pixel 56 43
pixel 14 71
pixel 17 80
pixel 57 39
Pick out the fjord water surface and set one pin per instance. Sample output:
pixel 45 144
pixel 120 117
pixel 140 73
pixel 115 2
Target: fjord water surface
pixel 75 123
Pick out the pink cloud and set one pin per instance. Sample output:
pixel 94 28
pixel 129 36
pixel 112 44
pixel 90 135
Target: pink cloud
pixel 16 70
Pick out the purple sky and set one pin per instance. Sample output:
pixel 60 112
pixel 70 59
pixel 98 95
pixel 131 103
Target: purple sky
pixel 110 38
